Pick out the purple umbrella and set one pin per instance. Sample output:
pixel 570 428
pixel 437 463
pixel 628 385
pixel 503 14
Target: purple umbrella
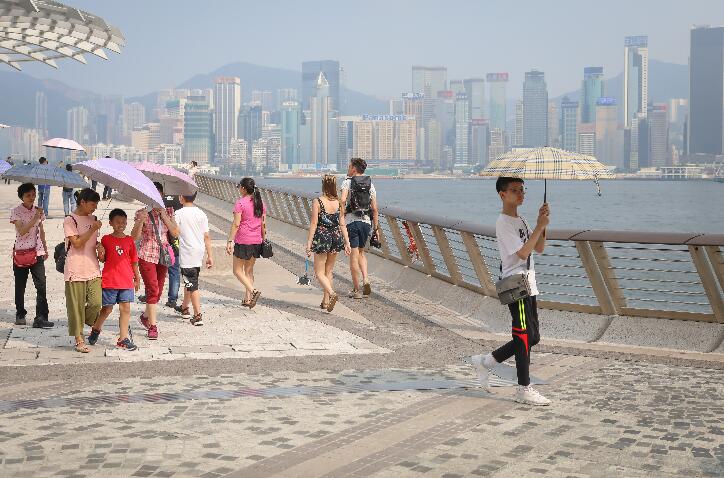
pixel 122 177
pixel 174 182
pixel 4 166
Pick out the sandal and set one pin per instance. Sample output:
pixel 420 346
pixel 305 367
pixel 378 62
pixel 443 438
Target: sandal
pixel 81 347
pixel 332 301
pixel 254 297
pixel 245 303
pixel 323 305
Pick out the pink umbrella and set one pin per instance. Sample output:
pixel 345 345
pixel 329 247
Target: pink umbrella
pixel 174 182
pixel 122 177
pixel 62 143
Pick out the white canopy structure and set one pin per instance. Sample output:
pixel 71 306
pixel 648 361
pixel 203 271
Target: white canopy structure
pixel 46 30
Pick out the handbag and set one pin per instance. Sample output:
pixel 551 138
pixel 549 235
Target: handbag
pixel 165 252
pixel 25 258
pixel 266 249
pixel 514 287
pixel 375 240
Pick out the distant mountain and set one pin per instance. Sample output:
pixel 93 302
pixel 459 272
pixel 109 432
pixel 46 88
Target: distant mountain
pixel 256 77
pixel 666 81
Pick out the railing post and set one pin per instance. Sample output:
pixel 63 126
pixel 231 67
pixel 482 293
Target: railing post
pixel 447 254
pixel 275 203
pixel 401 245
pixel 596 278
pixel 479 265
pixel 422 248
pixel 300 212
pixel 287 200
pixel 307 208
pixel 708 281
pixel 609 275
pixel 385 244
pixel 717 263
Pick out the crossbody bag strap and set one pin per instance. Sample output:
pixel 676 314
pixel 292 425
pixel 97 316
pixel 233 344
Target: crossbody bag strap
pixel 527 238
pixel 155 229
pixel 76 227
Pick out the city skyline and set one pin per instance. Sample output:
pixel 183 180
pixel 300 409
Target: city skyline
pixel 382 74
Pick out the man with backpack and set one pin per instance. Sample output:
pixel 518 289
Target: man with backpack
pixel 360 200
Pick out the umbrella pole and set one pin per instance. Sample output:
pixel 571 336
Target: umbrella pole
pixel 545 191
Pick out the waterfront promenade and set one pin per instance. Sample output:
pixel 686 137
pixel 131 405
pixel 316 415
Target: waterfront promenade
pixel 375 389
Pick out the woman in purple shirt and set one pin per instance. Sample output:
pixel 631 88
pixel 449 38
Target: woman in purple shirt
pixel 246 236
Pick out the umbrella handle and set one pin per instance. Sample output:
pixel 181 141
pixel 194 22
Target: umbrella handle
pixel 545 191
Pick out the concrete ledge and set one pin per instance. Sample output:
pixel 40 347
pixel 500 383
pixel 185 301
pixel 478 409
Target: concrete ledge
pixel 673 334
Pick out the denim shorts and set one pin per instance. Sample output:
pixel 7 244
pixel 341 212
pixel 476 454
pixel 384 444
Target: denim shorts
pixel 359 233
pixel 117 296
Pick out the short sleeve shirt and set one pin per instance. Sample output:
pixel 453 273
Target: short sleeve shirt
pixel 120 257
pixel 193 224
pixel 249 231
pixel 512 233
pixel 149 249
pixel 81 264
pixel 31 239
pixel 349 217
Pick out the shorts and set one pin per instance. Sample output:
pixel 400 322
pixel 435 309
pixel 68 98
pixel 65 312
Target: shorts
pixel 190 278
pixel 112 297
pixel 359 234
pixel 247 251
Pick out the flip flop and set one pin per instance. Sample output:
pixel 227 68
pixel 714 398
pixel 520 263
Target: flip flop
pixel 82 348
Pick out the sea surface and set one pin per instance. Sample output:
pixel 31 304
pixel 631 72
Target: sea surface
pixel 661 206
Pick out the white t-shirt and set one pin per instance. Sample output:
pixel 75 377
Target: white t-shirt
pixel 512 233
pixel 193 224
pixel 351 217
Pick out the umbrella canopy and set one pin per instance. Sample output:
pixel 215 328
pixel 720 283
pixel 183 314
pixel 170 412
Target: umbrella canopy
pixel 45 174
pixel 122 177
pixel 4 166
pixel 4 126
pixel 547 163
pixel 62 143
pixel 174 182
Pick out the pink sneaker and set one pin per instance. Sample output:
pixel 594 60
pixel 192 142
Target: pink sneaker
pixel 152 332
pixel 144 321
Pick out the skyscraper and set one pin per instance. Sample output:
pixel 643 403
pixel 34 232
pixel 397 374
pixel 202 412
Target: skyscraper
pixel 290 133
pixel 553 126
pixel 518 131
pixel 497 143
pixel 41 114
pixel 535 110
pixel 310 74
pixel 198 133
pixel 479 137
pixel 658 118
pixel 413 105
pixel 635 77
pixel 475 89
pixel 587 139
pixel 591 91
pixel 134 116
pixel 498 99
pixel 569 124
pixel 430 78
pixel 607 143
pixel 77 122
pixel 324 133
pixel 462 130
pixel 227 99
pixel 706 91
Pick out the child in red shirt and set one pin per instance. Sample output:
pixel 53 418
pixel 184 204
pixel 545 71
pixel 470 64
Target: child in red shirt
pixel 121 278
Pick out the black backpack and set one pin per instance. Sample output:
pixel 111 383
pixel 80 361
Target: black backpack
pixel 360 200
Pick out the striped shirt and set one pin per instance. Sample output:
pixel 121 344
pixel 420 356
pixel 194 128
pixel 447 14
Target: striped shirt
pixel 149 249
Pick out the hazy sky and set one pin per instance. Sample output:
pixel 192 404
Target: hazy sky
pixel 377 41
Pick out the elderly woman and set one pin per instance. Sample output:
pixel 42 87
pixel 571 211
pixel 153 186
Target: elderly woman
pixel 29 254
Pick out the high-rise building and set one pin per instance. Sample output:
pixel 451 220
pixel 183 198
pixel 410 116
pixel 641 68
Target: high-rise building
pixel 658 117
pixel 462 130
pixel 413 106
pixel 324 132
pixel 290 144
pixel 498 99
pixel 535 110
pixel 569 124
pixel 497 143
pixel 433 142
pixel 636 137
pixel 198 131
pixel 553 126
pixel 227 101
pixel 457 86
pixel 134 116
pixel 706 91
pixel 607 143
pixel 397 107
pixel 479 137
pixel 444 113
pixel 518 131
pixel 678 110
pixel 77 124
pixel 635 77
pixel 250 124
pixel 475 89
pixel 310 75
pixel 587 139
pixel 591 91
pixel 41 114
pixel 382 140
pixel 429 81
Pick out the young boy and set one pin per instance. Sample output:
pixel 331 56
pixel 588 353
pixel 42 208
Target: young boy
pixel 516 243
pixel 121 278
pixel 193 240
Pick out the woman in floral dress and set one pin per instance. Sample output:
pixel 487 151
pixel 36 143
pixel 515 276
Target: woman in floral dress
pixel 327 237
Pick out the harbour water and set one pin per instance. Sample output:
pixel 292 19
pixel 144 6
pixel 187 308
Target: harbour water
pixel 661 206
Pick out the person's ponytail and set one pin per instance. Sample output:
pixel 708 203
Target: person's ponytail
pixel 258 204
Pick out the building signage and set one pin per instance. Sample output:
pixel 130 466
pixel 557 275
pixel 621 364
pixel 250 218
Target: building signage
pixel 385 117
pixel 497 77
pixel 606 101
pixel 640 41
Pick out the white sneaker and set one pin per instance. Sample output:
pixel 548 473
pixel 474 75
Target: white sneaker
pixel 530 396
pixel 482 365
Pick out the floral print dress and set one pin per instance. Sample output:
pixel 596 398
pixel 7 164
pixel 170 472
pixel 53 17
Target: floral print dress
pixel 328 237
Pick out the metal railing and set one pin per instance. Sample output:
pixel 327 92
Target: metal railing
pixel 642 274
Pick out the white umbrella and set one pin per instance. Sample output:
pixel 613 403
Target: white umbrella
pixel 4 126
pixel 63 143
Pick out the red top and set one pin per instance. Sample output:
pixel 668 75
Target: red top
pixel 120 255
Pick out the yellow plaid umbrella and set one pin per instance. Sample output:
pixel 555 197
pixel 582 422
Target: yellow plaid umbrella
pixel 547 163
